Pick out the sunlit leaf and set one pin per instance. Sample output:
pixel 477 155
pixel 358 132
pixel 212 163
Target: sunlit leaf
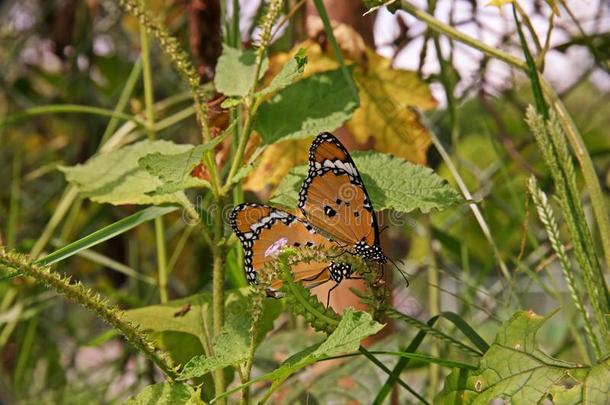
pixel 515 370
pixel 235 71
pixel 322 102
pixel 116 178
pixel 166 393
pixel 401 185
pixel 385 118
pixel 175 170
pixel 289 73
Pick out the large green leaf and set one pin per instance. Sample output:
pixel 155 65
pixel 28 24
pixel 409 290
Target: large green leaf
pixel 166 393
pixel 322 102
pixel 235 71
pixel 515 370
pixel 116 178
pixel 392 183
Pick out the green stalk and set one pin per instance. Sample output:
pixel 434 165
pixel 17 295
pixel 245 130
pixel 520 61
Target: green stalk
pixel 547 217
pixel 218 295
pixel 149 103
pixel 434 309
pixel 161 259
pixel 252 102
pixel 13 213
pixel 475 209
pixel 337 51
pixel 25 352
pixel 598 203
pixel 126 93
pixel 67 108
pixel 60 211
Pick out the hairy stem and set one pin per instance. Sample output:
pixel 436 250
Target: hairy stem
pixel 90 300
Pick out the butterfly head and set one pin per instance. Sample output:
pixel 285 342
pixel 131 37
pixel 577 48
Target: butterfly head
pixel 370 253
pixel 340 271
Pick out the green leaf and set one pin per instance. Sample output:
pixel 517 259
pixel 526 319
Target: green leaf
pixel 115 177
pixel 235 71
pixel 291 71
pixel 515 370
pixel 392 183
pixel 321 102
pixel 174 169
pixel 105 233
pixel 166 393
pixel 353 327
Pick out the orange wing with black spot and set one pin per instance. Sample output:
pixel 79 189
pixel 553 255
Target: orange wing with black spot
pixel 263 231
pixel 334 200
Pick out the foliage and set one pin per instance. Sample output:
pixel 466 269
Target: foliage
pixel 166 393
pixel 117 178
pixel 213 114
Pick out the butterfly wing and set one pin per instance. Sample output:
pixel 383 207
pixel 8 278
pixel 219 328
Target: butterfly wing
pixel 333 197
pixel 263 231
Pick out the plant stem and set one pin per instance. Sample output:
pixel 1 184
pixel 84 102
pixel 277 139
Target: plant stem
pixel 149 104
pixel 597 199
pixel 434 309
pixel 218 307
pixel 161 259
pixel 241 146
pixel 13 213
pixel 468 196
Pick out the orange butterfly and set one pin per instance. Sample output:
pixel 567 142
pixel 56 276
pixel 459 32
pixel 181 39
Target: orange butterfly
pixel 337 211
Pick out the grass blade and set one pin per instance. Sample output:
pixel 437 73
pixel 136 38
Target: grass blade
pixel 105 233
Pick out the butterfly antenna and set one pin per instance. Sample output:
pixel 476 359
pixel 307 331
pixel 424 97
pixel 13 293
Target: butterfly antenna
pixel 383 229
pixel 402 273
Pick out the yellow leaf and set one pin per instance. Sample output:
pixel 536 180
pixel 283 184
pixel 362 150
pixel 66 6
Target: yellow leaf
pixel 383 122
pixel 275 163
pixel 385 118
pixel 499 3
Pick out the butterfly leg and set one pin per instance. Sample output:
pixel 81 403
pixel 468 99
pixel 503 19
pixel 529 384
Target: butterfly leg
pixel 330 291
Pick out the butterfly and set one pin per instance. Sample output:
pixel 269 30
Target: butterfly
pixel 337 212
pixel 263 231
pixel 334 200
